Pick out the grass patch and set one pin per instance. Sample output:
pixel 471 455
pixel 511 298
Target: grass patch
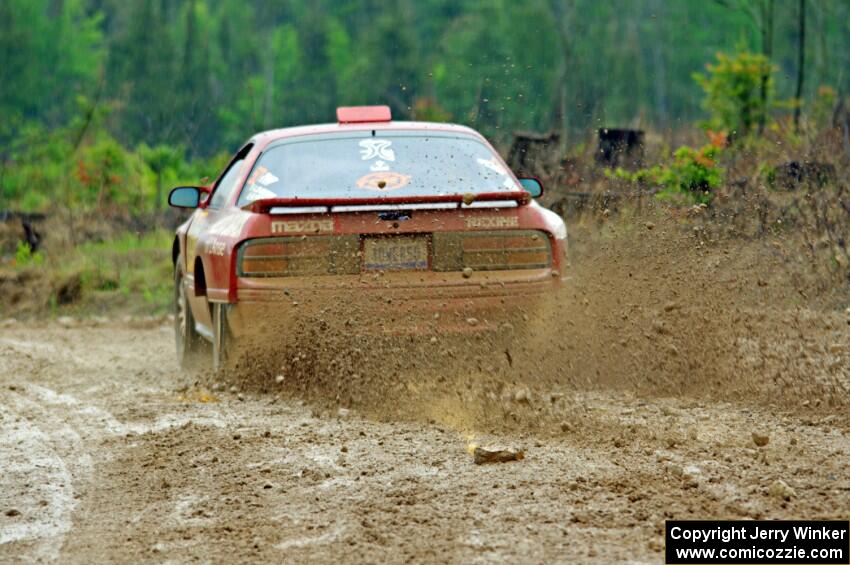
pixel 128 274
pixel 134 269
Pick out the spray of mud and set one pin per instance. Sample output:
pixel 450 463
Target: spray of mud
pixel 652 309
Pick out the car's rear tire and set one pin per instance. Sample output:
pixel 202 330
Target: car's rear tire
pixel 188 342
pixel 223 345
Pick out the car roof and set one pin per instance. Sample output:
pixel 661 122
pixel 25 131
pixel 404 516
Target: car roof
pixel 265 137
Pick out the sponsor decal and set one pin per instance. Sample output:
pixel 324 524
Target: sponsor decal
pixel 492 222
pixel 258 172
pixel 493 165
pixel 257 192
pixel 383 181
pixel 510 184
pixel 258 182
pixel 230 226
pixel 303 226
pixel 380 148
pixel 268 179
pixel 216 246
pixel 379 166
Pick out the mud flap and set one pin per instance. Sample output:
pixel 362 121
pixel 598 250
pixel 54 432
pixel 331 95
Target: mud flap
pixel 222 339
pixel 189 344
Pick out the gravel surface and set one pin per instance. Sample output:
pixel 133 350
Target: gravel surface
pixel 656 401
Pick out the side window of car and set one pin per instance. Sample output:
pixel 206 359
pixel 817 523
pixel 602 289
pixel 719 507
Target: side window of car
pixel 224 189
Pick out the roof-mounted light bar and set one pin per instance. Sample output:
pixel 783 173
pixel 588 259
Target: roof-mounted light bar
pixel 363 114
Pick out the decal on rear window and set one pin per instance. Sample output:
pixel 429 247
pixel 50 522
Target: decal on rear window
pixel 398 163
pixel 383 181
pixel 379 166
pixel 267 179
pixel 493 165
pixel 257 192
pixel 260 171
pixel 371 148
pixel 257 185
pixel 380 148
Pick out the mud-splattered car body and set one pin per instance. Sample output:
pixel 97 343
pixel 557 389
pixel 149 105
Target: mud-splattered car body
pixel 402 245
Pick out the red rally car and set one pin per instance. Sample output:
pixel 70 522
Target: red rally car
pixel 423 218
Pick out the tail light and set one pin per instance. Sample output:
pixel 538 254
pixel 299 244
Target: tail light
pixel 294 256
pixel 491 250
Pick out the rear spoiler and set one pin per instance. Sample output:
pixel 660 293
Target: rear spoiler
pixel 266 204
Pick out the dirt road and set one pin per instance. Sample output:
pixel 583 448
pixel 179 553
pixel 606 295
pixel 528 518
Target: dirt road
pixel 108 457
pixel 109 453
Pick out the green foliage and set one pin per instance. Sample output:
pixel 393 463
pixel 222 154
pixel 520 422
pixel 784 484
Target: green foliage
pixel 106 176
pixel 44 169
pixel 130 265
pixel 694 172
pixel 204 74
pixel 36 168
pixel 131 271
pixel 390 69
pixel 823 107
pixel 163 161
pixel 87 81
pixel 24 257
pixel 495 78
pixel 766 174
pixel 427 110
pixel 693 175
pixel 733 91
pixel 46 48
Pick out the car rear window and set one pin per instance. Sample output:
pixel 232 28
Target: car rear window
pixel 388 163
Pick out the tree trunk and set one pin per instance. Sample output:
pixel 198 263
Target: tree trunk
pixel 660 64
pixel 767 51
pixel 801 61
pixel 563 12
pixel 158 207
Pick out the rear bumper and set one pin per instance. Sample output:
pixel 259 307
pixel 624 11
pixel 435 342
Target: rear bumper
pixel 392 305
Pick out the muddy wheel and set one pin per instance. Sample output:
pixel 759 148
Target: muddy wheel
pixel 222 350
pixel 188 341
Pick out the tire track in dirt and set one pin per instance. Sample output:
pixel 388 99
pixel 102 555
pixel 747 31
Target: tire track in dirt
pixel 45 437
pixel 638 406
pixel 47 461
pixel 36 491
pixel 181 475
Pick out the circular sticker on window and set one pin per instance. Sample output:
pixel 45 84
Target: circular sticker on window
pixel 382 181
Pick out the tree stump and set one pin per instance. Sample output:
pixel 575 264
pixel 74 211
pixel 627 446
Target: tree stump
pixel 533 154
pixel 620 148
pixel 796 174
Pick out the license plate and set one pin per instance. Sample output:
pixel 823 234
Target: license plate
pixel 396 253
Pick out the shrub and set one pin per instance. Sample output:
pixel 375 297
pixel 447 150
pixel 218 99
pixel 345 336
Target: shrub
pixel 823 107
pixel 693 175
pixel 428 110
pixel 24 256
pixel 44 168
pixel 108 175
pixel 733 91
